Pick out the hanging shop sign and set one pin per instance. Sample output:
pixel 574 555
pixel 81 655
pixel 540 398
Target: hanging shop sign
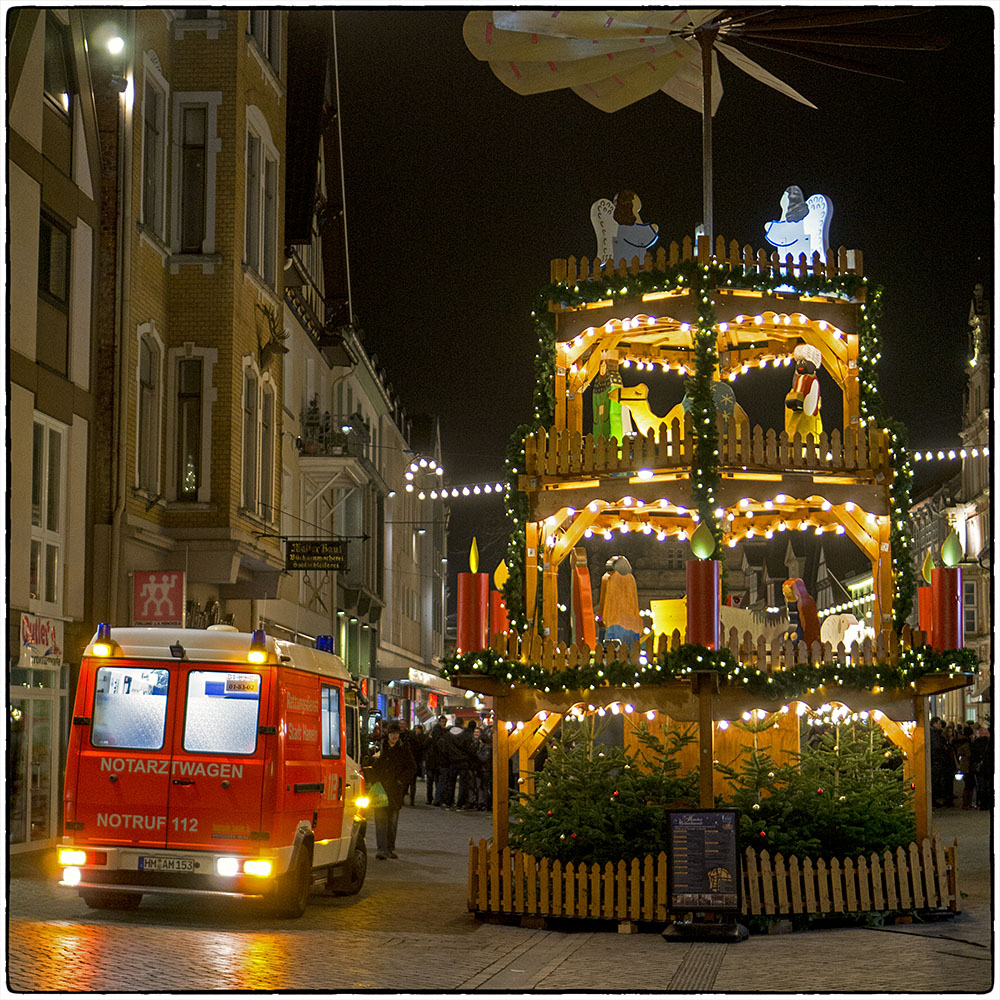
pixel 158 597
pixel 309 554
pixel 703 862
pixel 41 642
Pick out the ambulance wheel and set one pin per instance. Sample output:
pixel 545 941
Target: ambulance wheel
pixel 296 884
pixel 353 878
pixel 112 900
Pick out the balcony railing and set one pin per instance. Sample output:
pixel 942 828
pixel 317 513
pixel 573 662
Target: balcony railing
pixel 568 453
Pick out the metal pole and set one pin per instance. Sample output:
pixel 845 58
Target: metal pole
pixel 707 39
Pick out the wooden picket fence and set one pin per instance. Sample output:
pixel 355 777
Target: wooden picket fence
pixel 760 262
pixel 507 882
pixel 776 655
pixel 559 453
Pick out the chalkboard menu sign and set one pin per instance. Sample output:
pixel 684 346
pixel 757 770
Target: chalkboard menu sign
pixel 703 866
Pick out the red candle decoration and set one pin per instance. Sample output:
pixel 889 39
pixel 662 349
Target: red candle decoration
pixel 948 631
pixel 925 612
pixel 703 602
pixel 499 621
pixel 473 606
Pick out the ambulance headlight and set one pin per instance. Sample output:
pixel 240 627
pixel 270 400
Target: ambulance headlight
pixel 227 866
pixel 72 876
pixel 257 867
pixel 71 856
pixel 362 801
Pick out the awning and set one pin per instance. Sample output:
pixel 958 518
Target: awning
pixel 413 675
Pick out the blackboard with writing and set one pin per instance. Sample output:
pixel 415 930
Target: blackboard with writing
pixel 703 866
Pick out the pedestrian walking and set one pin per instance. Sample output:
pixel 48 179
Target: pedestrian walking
pixel 468 767
pixel 942 766
pixel 962 748
pixel 450 760
pixel 393 769
pixel 432 759
pixel 484 776
pixel 982 765
pixel 418 744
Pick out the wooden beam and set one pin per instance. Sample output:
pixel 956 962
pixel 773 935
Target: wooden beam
pixel 922 795
pixel 705 685
pixel 531 570
pixel 501 782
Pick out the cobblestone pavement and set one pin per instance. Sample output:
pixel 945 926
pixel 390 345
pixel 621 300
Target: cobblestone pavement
pixel 409 930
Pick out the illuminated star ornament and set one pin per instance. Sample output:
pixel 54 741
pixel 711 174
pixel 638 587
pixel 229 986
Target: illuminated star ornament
pixel 612 58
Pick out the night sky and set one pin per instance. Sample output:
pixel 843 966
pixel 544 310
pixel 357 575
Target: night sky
pixel 459 192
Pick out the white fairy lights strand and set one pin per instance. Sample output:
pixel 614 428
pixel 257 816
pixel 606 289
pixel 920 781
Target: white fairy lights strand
pixel 951 454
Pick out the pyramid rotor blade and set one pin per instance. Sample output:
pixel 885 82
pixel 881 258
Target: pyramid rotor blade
pixel 758 72
pixel 833 17
pixel 491 44
pixel 612 93
pixel 824 59
pixel 853 39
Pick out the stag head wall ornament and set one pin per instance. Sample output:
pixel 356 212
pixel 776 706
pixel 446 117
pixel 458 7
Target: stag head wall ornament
pixel 274 344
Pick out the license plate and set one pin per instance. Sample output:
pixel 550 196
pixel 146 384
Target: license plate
pixel 166 864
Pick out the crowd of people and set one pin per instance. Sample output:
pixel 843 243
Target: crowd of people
pixel 961 753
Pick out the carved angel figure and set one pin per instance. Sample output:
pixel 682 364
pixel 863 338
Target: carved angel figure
pixel 621 233
pixel 804 226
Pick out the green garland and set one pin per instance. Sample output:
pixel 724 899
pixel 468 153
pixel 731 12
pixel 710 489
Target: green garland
pixel 681 663
pixel 900 533
pixel 705 477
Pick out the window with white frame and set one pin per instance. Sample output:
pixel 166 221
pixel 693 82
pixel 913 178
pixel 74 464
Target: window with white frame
pixel 969 606
pixel 154 145
pixel 261 229
pixel 189 423
pixel 148 412
pixel 250 411
pixel 193 173
pixel 48 460
pixel 258 445
pixel 265 29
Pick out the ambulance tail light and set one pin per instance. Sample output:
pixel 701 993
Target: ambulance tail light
pixel 230 867
pixel 258 867
pixel 258 646
pixel 75 857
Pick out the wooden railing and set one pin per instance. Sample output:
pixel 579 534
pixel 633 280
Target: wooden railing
pixel 768 656
pixel 510 882
pixel 567 453
pixel 772 264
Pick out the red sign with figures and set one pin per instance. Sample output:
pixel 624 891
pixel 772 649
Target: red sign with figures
pixel 158 597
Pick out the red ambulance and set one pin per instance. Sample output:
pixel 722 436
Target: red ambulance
pixel 211 761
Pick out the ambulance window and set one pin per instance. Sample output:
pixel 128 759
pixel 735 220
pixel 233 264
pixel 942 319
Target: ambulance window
pixel 130 708
pixel 222 710
pixel 330 712
pixel 352 732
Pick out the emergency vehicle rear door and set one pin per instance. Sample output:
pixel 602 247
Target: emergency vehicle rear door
pixel 124 760
pixel 217 766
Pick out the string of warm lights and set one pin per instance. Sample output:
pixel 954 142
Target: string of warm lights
pixel 428 466
pixel 951 455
